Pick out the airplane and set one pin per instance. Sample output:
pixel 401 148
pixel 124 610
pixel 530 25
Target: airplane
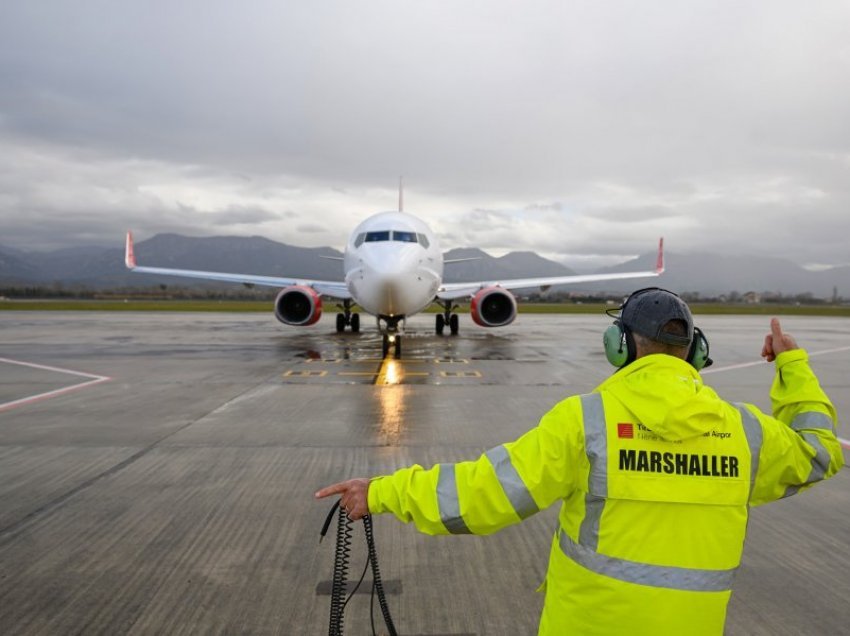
pixel 393 268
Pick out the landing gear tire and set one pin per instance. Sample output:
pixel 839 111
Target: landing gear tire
pixel 454 324
pixel 441 324
pixel 385 346
pixel 397 347
pixel 340 323
pixel 355 323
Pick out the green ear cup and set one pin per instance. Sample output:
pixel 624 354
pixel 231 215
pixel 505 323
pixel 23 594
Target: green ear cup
pixel 698 354
pixel 616 349
pixel 620 348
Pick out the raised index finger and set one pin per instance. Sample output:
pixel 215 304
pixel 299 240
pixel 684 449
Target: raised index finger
pixel 775 329
pixel 335 489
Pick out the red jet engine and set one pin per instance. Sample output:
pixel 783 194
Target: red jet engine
pixel 493 307
pixel 298 305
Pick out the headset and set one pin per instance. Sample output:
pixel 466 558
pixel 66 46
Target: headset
pixel 620 348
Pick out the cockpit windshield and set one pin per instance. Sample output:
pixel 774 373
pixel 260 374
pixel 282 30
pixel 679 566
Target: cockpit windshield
pixel 390 235
pixel 406 237
pixel 372 237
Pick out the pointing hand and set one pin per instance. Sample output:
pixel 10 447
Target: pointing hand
pixel 776 341
pixel 354 496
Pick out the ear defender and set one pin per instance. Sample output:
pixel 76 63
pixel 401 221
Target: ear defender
pixel 698 353
pixel 619 345
pixel 648 311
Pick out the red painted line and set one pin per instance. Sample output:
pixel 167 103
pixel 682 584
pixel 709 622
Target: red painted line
pixel 47 368
pixel 95 379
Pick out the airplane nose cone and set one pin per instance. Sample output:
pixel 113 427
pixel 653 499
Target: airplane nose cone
pixel 393 267
pixel 390 282
pixel 390 298
pixel 391 275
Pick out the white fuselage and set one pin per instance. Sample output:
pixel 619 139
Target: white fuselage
pixel 393 265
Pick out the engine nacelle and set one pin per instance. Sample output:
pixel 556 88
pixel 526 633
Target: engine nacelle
pixel 299 306
pixel 493 307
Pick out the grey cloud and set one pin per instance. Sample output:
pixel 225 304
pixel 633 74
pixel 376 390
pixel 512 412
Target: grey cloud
pixel 637 214
pixel 557 206
pixel 237 215
pixel 311 228
pixel 83 228
pixel 677 121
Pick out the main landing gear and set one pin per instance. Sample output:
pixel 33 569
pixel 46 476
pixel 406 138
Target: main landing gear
pixel 347 318
pixel 448 318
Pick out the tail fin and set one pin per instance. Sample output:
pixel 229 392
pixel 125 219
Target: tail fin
pixel 129 256
pixel 659 264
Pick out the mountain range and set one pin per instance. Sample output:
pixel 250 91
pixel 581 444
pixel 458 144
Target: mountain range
pixel 103 268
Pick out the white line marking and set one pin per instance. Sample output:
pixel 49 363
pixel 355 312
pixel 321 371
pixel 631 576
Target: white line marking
pixel 95 379
pixel 758 362
pixel 733 366
pixel 845 443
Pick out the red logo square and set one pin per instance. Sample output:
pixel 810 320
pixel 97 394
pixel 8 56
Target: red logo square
pixel 626 429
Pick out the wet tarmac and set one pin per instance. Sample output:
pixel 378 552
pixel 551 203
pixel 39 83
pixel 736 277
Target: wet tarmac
pixel 157 471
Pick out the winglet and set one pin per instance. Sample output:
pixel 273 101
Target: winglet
pixel 129 256
pixel 659 264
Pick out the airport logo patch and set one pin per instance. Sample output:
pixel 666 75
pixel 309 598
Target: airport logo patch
pixel 625 430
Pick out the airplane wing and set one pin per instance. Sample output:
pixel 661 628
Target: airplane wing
pixel 334 289
pixel 451 291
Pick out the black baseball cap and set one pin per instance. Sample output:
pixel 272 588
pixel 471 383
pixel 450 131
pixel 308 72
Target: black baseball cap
pixel 647 312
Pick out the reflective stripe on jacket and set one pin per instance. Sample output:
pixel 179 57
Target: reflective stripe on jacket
pixel 656 474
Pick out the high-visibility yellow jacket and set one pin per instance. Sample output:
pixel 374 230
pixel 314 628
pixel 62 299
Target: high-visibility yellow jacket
pixel 656 473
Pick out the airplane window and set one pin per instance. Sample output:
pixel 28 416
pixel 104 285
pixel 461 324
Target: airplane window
pixel 359 240
pixel 371 237
pixel 405 237
pixel 423 241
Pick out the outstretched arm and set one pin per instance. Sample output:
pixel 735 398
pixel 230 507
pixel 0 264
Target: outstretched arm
pixel 799 444
pixel 502 487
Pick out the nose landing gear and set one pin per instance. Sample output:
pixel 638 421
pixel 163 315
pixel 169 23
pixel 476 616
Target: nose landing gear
pixel 391 340
pixel 391 336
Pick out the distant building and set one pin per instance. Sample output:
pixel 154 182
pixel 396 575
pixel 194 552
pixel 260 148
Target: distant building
pixel 751 297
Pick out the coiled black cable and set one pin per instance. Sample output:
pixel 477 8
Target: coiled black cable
pixel 342 559
pixel 377 585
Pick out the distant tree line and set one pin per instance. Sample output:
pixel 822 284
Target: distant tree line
pixel 767 298
pixel 732 297
pixel 159 292
pixel 168 292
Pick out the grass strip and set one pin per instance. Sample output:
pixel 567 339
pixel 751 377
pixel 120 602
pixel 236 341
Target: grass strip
pixel 253 306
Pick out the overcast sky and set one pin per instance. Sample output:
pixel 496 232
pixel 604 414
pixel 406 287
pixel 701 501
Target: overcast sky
pixel 580 130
